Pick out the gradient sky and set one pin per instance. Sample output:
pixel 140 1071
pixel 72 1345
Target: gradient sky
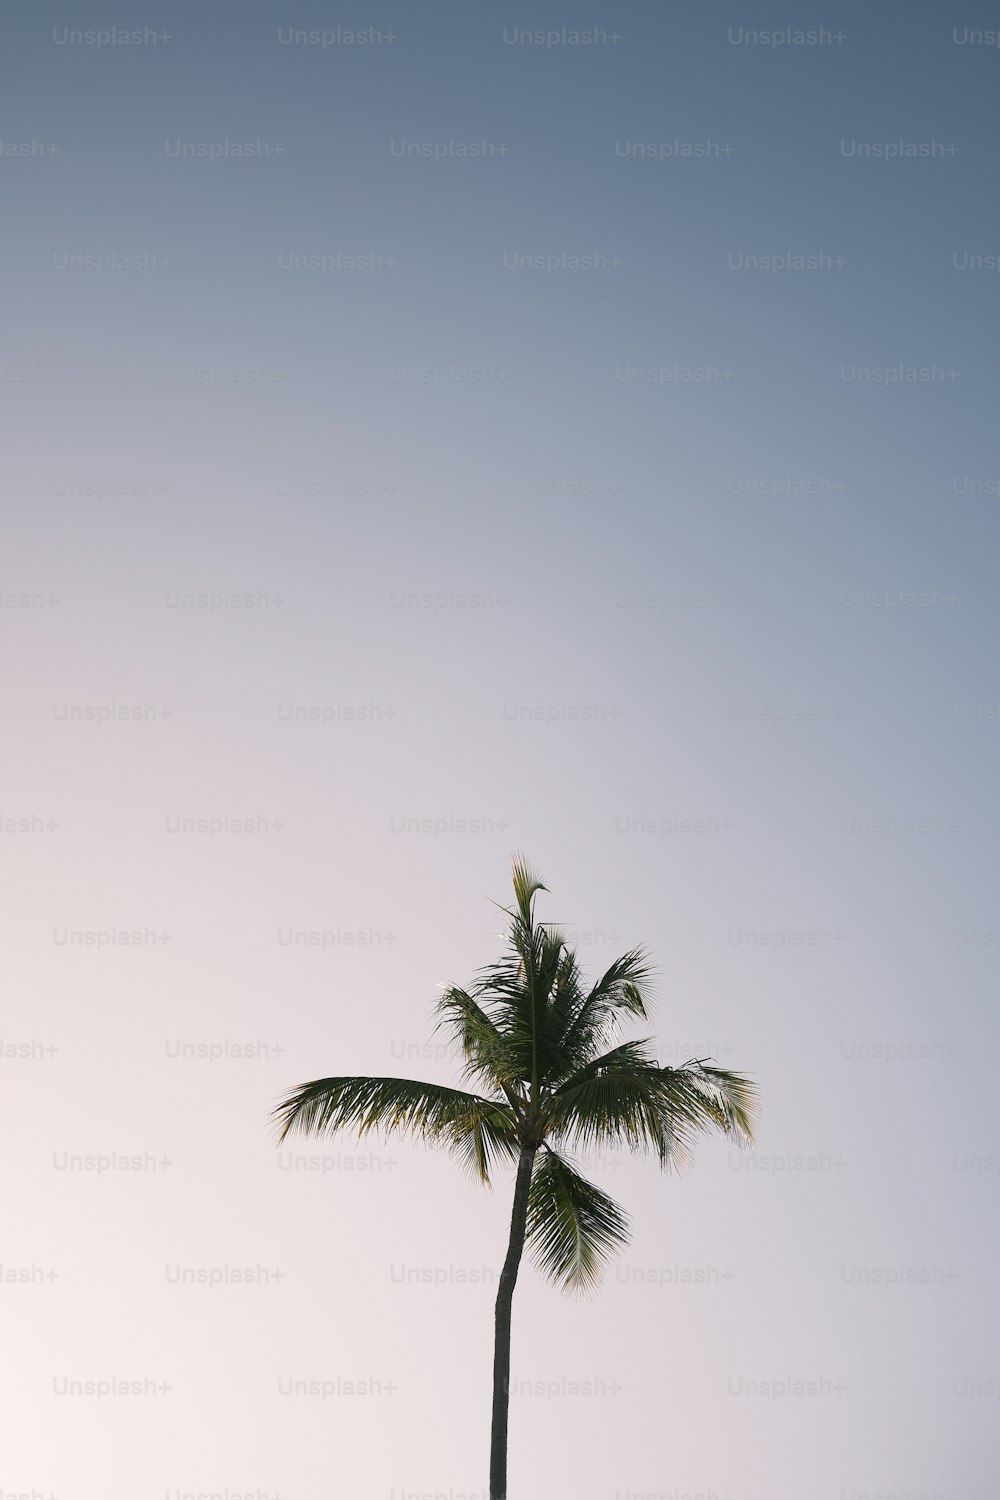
pixel 718 654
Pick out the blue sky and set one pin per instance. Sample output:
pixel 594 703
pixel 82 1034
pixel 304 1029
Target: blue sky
pixel 704 530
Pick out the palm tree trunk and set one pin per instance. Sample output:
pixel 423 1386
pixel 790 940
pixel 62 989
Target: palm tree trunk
pixel 501 1353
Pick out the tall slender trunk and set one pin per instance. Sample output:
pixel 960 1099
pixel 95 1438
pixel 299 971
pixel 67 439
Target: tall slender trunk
pixel 501 1352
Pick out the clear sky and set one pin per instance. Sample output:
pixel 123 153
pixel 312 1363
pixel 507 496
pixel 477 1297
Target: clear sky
pixel 453 443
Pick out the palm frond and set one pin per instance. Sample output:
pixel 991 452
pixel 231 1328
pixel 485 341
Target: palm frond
pixel 489 1053
pixel 625 1098
pixel 621 991
pixel 633 1054
pixel 428 1111
pixel 728 1100
pixel 526 884
pixel 502 992
pixel 480 1144
pixel 616 1100
pixel 572 1226
pixel 561 1057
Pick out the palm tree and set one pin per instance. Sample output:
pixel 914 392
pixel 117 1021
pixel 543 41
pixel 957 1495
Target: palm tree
pixel 546 1051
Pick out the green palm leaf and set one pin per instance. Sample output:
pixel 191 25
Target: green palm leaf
pixel 479 1129
pixel 625 1099
pixel 620 992
pixel 526 883
pixel 572 1226
pixel 489 1053
pixel 717 1097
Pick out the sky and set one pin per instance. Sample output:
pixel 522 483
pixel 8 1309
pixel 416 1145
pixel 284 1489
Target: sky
pixel 558 429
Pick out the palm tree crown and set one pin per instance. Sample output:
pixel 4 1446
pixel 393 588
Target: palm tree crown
pixel 555 1075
